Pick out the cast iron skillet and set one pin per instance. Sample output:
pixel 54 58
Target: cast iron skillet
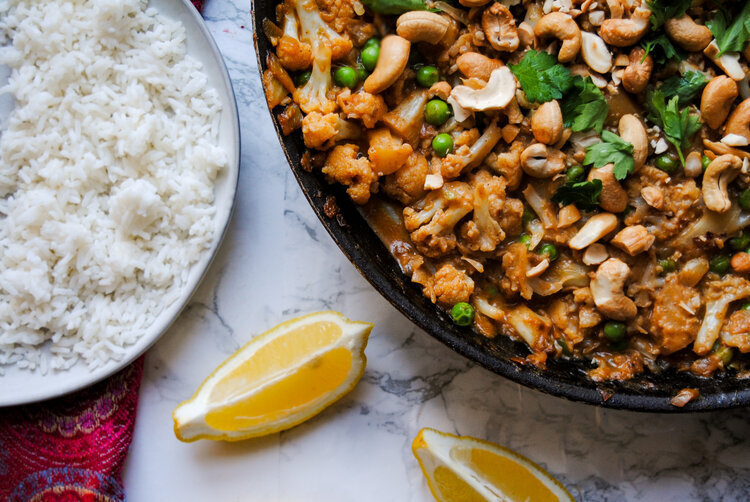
pixel 649 392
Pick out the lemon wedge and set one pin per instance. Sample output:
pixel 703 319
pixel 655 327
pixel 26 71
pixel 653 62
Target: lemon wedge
pixel 467 469
pixel 279 379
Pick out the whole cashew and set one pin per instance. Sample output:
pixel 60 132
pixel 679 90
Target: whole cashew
pixel 394 56
pixel 594 229
pixel 541 162
pixel 547 123
pixel 607 290
pixel 633 240
pixel 564 28
pixel 613 198
pixel 720 173
pixel 625 32
pixel 688 34
pixel 422 26
pixel 729 62
pixel 638 72
pixel 499 28
pixel 717 99
pixel 739 120
pixel 476 65
pixel 632 130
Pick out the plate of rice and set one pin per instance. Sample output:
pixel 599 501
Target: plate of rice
pixel 119 158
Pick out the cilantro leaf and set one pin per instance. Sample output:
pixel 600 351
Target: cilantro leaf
pixel 686 88
pixel 663 10
pixel 584 107
pixel 678 125
pixel 611 150
pixel 731 36
pixel 661 49
pixel 394 7
pixel 584 194
pixel 542 79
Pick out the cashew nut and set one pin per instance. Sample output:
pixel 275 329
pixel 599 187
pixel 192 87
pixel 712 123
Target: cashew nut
pixel 607 291
pixel 394 56
pixel 729 62
pixel 422 26
pixel 564 28
pixel 595 254
pixel 499 91
pixel 440 89
pixel 653 196
pixel 633 240
pixel 594 229
pixel 547 123
pixel 499 28
pixel 541 162
pixel 567 216
pixel 595 52
pixel 632 130
pixel 625 32
pixel 638 72
pixel 476 65
pixel 526 34
pixel 717 99
pixel 613 198
pixel 688 34
pixel 693 165
pixel 739 120
pixel 720 173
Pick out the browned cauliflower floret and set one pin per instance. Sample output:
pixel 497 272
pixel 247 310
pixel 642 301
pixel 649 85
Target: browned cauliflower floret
pixel 387 153
pixel 466 157
pixel 674 324
pixel 293 53
pixel 507 163
pixel 515 266
pixel 719 295
pixel 452 286
pixel 369 108
pixel 337 13
pixel 343 166
pixel 315 31
pixel 483 232
pixel 736 332
pixel 321 131
pixel 407 184
pixel 431 219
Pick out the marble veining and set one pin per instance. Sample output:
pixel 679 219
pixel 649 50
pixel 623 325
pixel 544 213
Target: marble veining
pixel 278 262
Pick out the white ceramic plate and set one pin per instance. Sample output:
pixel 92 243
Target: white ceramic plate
pixel 23 386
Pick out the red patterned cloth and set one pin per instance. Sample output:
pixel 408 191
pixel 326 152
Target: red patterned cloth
pixel 71 448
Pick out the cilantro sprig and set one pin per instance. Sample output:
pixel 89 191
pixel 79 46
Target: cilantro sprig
pixel 731 35
pixel 584 108
pixel 541 78
pixel 663 10
pixel 679 126
pixel 394 7
pixel 685 87
pixel 611 150
pixel 584 194
pixel 661 49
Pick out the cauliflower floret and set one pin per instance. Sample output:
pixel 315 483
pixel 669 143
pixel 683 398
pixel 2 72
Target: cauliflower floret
pixel 337 13
pixel 452 286
pixel 386 153
pixel 407 184
pixel 718 294
pixel 467 157
pixel 673 321
pixel 292 52
pixel 313 96
pixel 508 163
pixel 736 332
pixel 343 166
pixel 321 131
pixel 515 266
pixel 431 219
pixel 316 32
pixel 369 108
pixel 483 232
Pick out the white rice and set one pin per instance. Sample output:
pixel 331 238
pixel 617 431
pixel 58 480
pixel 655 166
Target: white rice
pixel 107 170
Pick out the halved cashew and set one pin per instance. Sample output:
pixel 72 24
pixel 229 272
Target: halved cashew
pixel 613 198
pixel 729 62
pixel 526 34
pixel 638 72
pixel 717 99
pixel 693 165
pixel 688 34
pixel 422 26
pixel 653 196
pixel 567 216
pixel 394 56
pixel 633 240
pixel 499 28
pixel 594 229
pixel 595 254
pixel 625 32
pixel 476 65
pixel 720 173
pixel 739 120
pixel 632 130
pixel 564 28
pixel 595 52
pixel 547 123
pixel 440 89
pixel 496 95
pixel 607 290
pixel 541 162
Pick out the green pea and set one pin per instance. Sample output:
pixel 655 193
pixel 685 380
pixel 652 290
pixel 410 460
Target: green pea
pixel 550 250
pixel 302 78
pixel 462 314
pixel 745 199
pixel 427 76
pixel 725 354
pixel 666 163
pixel 746 306
pixel 442 144
pixel 739 243
pixel 370 56
pixel 614 331
pixel 345 76
pixel 705 161
pixel 525 239
pixel 528 216
pixel 373 42
pixel 437 112
pixel 719 264
pixel 667 266
pixel 575 173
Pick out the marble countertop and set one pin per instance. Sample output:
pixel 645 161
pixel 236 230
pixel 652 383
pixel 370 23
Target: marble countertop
pixel 278 262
